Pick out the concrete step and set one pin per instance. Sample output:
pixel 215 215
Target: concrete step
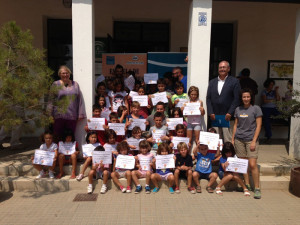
pixel 30 183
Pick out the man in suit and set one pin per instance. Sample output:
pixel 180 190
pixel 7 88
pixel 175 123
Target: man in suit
pixel 222 98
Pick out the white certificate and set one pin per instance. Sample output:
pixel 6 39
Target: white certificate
pixel 102 156
pixel 88 148
pixel 109 147
pixel 142 99
pixel 125 162
pixel 150 78
pixel 119 128
pixel 159 97
pixel 177 140
pixel 157 134
pixel 192 108
pixel 96 123
pixel 133 93
pixel 181 102
pixel 42 157
pixel 237 165
pixel 221 144
pixel 134 142
pixel 129 82
pixel 105 114
pixel 210 139
pixel 137 123
pixel 66 148
pixel 145 163
pixel 165 161
pixel 172 122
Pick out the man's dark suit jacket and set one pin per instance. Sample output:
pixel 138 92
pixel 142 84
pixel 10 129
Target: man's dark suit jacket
pixel 227 101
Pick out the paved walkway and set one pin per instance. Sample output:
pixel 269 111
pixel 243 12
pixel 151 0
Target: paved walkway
pixel 275 207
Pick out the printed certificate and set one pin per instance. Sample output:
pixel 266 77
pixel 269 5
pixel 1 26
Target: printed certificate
pixel 125 162
pixel 237 165
pixel 42 157
pixel 172 122
pixel 145 163
pixel 157 134
pixel 159 97
pixel 119 128
pixel 133 93
pixel 142 99
pixel 102 156
pixel 177 140
pixel 87 149
pixel 135 142
pixel 210 139
pixel 137 122
pixel 165 161
pixel 150 78
pixel 67 148
pixel 96 123
pixel 192 109
pixel 181 102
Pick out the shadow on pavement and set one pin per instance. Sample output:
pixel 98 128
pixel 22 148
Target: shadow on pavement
pixel 5 196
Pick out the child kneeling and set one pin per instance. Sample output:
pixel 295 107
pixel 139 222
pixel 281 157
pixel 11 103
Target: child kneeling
pixel 101 171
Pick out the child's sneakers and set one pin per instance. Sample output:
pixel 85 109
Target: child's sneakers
pixel 51 174
pixel 177 190
pixel 41 175
pixel 103 189
pixel 79 177
pixel 123 189
pixel 192 190
pixel 147 189
pixel 128 190
pixel 138 189
pixel 90 189
pixel 155 190
pixel 257 193
pixel 171 190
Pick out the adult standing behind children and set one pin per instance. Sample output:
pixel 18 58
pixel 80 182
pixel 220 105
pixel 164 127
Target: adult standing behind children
pixel 75 110
pixel 178 76
pixel 223 98
pixel 247 126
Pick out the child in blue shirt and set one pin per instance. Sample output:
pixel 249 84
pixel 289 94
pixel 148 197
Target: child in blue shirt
pixel 204 167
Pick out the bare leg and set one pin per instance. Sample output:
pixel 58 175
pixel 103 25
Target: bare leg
pixel 105 176
pixel 135 177
pixel 227 177
pixel 197 135
pixel 128 177
pixel 189 178
pixel 87 162
pixel 189 134
pixel 237 178
pixel 176 177
pixel 115 177
pixel 91 175
pixel 196 177
pixel 38 167
pixel 170 180
pixel 155 178
pixel 148 177
pixel 61 159
pixel 254 171
pixel 212 178
pixel 74 162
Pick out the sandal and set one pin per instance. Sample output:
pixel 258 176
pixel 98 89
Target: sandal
pixel 218 191
pixel 59 176
pixel 209 189
pixel 198 189
pixel 246 192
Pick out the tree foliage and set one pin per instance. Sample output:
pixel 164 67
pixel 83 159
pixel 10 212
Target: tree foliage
pixel 24 79
pixel 290 108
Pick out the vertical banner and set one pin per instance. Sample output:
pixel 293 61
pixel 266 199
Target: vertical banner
pixel 130 61
pixel 161 62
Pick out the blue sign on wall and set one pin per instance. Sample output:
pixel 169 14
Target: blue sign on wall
pixel 161 62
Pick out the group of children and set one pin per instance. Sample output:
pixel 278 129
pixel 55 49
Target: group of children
pixel 116 106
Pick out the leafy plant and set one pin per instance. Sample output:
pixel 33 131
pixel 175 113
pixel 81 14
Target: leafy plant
pixel 290 108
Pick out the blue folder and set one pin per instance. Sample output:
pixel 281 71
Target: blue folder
pixel 220 122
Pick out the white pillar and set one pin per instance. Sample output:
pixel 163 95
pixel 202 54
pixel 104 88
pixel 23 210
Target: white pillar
pixel 83 56
pixel 294 149
pixel 199 46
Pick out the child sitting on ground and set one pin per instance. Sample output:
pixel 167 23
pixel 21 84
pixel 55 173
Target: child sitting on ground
pixel 228 151
pixel 144 165
pixel 204 167
pixel 101 171
pixel 183 165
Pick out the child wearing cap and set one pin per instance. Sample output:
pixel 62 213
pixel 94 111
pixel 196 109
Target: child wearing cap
pixel 203 167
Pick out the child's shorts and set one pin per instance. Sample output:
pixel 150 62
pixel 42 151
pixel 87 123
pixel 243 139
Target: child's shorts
pixel 182 174
pixel 165 176
pixel 204 175
pixel 99 174
pixel 121 173
pixel 193 127
pixel 221 174
pixel 143 173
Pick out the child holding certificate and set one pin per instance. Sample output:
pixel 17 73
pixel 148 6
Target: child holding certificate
pixel 179 132
pixel 228 151
pixel 159 133
pixel 163 174
pixel 48 145
pixel 136 138
pixel 184 165
pixel 177 113
pixel 100 133
pixel 68 151
pixel 144 110
pixel 115 119
pixel 194 121
pixel 144 165
pixel 123 149
pixel 204 167
pixel 105 111
pixel 91 138
pixel 179 94
pixel 135 108
pixel 117 97
pixel 101 171
pixel 111 144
